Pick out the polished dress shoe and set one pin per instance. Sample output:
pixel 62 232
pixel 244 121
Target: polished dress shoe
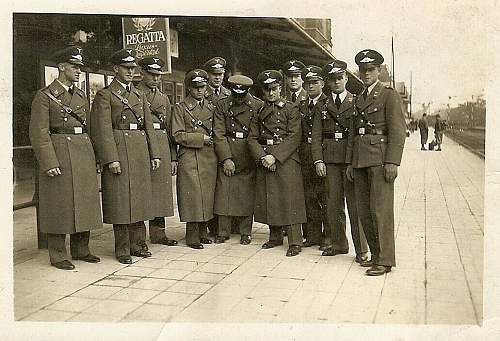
pixel 270 244
pixel 378 270
pixel 206 241
pixel 125 259
pixel 197 246
pixel 309 243
pixel 164 241
pixel 141 253
pixel 245 239
pixel 330 251
pixel 293 250
pixel 362 259
pixel 219 239
pixel 64 265
pixel 88 258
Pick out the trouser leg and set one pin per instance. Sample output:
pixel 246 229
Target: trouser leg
pixel 157 229
pixel 362 189
pixel 212 226
pixel 382 211
pixel 336 208
pixel 56 243
pixel 294 235
pixel 225 223
pixel 276 234
pixel 122 241
pixel 357 234
pixel 245 225
pixel 79 244
pixel 193 232
pixel 137 238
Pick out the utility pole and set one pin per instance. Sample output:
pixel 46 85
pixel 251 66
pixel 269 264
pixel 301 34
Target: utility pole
pixel 411 89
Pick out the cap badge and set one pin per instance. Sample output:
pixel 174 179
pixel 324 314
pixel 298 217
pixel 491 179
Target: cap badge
pixel 335 69
pixel 77 56
pixel 154 66
pixel 269 80
pixel 128 59
pixel 311 74
pixel 198 79
pixel 293 68
pixel 366 60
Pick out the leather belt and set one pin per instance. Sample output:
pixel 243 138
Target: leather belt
pixel 370 131
pixel 268 142
pixel 338 135
pixel 130 126
pixel 68 130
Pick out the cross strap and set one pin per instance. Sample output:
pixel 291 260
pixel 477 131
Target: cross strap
pixel 67 109
pixel 233 116
pixel 334 117
pixel 125 101
pixel 198 122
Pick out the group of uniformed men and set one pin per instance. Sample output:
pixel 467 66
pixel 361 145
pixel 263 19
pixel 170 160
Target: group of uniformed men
pixel 289 160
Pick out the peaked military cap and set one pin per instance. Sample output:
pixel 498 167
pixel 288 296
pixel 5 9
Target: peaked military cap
pixel 70 54
pixel 312 72
pixel 215 65
pixel 240 84
pixel 293 67
pixel 269 78
pixel 124 57
pixel 336 67
pixel 369 57
pixel 153 65
pixel 196 78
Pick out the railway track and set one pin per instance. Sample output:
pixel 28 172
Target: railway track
pixel 473 140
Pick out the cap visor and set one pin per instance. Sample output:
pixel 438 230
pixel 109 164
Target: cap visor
pixel 217 71
pixel 75 61
pixel 156 72
pixel 129 64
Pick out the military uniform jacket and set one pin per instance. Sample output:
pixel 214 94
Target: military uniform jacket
pixel 276 130
pixel 197 162
pixel 234 196
pixel 120 136
pixel 330 129
pixel 161 178
pixel 308 115
pixel 211 97
pixel 68 202
pixel 381 117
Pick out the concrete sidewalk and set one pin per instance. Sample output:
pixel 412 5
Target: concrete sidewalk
pixel 438 278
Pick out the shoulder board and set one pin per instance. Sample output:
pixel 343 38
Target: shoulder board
pixel 388 87
pixel 257 99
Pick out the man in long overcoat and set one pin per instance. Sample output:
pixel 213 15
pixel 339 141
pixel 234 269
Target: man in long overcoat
pixel 375 147
pixel 161 179
pixel 314 191
pixel 273 141
pixel 332 119
pixel 215 91
pixel 192 127
pixel 122 128
pixel 235 189
pixel 423 126
pixel 68 193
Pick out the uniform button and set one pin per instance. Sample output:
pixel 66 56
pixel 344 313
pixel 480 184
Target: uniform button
pixel 233 139
pixel 164 132
pixel 232 124
pixel 278 121
pixel 126 134
pixel 65 119
pixel 195 128
pixel 310 133
pixel 69 138
pixel 62 110
pixel 86 138
pixel 277 129
pixel 142 133
pixel 83 109
pixel 124 117
pixel 141 107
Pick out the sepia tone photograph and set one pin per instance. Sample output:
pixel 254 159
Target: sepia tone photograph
pixel 323 169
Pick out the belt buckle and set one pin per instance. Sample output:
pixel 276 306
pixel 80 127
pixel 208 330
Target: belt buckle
pixel 133 126
pixel 124 101
pixel 339 135
pixel 309 140
pixel 156 125
pixel 78 130
pixel 361 131
pixel 239 135
pixel 270 142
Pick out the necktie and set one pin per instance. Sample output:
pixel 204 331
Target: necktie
pixel 128 87
pixel 365 93
pixel 294 97
pixel 311 105
pixel 338 102
pixel 217 90
pixel 71 90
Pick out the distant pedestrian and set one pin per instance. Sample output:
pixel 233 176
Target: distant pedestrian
pixel 439 128
pixel 423 125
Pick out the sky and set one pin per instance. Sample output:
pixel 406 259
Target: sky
pixel 442 43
